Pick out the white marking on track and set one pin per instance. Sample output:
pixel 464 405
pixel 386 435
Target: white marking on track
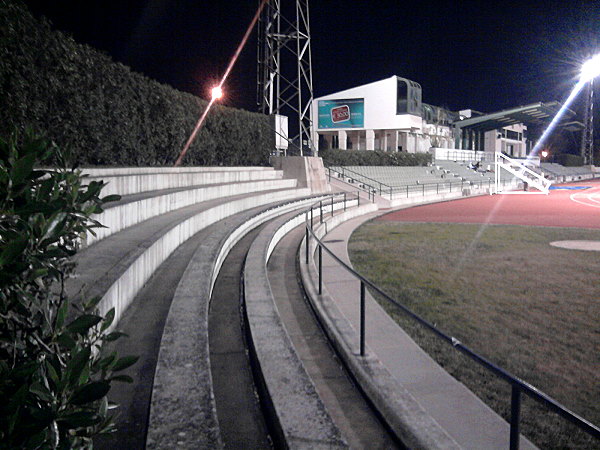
pixel 589 198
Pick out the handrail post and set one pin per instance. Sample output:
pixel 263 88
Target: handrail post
pixel 321 210
pixel 515 413
pixel 362 318
pixel 307 238
pixel 332 206
pixel 320 269
pixel 311 217
pixel 358 198
pixel 344 201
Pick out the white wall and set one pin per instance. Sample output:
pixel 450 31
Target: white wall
pixel 380 106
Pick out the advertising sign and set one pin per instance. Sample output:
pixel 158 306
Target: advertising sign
pixel 342 113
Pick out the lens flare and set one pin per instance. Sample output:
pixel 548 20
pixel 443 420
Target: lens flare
pixel 216 93
pixel 217 89
pixel 591 68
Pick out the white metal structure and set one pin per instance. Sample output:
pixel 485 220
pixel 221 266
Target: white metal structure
pixel 521 171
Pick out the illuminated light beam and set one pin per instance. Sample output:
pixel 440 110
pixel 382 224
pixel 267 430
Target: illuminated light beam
pixel 578 87
pixel 219 87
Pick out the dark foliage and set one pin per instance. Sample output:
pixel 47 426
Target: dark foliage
pixel 54 376
pixel 109 115
pixel 333 157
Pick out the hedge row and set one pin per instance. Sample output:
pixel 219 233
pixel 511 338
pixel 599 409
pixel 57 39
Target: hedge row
pixel 569 160
pixel 334 157
pixel 107 114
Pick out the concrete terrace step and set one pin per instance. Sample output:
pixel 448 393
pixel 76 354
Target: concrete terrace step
pixel 302 420
pixel 116 267
pixel 133 180
pixel 136 208
pixel 183 412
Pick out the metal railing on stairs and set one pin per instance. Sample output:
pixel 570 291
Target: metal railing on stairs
pixel 521 171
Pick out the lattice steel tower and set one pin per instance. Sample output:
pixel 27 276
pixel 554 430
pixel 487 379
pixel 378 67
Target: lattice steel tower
pixel 587 141
pixel 284 67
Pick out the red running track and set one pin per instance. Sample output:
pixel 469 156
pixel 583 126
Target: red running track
pixel 560 208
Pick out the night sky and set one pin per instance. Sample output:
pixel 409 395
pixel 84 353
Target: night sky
pixel 483 55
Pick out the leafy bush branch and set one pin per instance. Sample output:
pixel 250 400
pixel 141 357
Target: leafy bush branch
pixel 53 375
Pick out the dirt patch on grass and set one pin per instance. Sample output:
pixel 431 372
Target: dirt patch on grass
pixel 505 292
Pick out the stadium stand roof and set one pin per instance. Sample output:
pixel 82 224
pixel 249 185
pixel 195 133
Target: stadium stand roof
pixel 533 114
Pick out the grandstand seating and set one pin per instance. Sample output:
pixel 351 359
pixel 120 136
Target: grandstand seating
pixel 563 173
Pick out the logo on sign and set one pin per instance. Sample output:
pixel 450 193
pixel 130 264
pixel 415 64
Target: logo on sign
pixel 340 114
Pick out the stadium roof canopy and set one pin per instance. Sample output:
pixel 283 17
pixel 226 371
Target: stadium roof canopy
pixel 531 115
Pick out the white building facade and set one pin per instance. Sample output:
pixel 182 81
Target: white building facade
pixel 389 115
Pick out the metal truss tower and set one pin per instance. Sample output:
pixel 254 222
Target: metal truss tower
pixel 284 67
pixel 587 141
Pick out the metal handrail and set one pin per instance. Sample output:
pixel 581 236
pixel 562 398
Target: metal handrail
pixel 391 191
pixel 518 386
pixel 359 177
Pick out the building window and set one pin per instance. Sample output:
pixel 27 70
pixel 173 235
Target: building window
pixel 402 97
pixel 513 135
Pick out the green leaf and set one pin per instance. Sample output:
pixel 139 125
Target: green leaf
pixel 125 362
pixel 123 378
pixel 80 419
pixel 105 363
pixel 83 323
pixel 90 392
pixel 92 303
pixel 111 198
pixel 114 336
pixel 22 168
pixel 66 341
pixel 13 250
pixel 77 364
pixel 61 315
pixel 108 319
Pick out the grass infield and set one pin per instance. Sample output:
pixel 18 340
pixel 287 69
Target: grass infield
pixel 502 290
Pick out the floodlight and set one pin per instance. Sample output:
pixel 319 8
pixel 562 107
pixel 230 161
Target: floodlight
pixel 544 153
pixel 217 92
pixel 591 68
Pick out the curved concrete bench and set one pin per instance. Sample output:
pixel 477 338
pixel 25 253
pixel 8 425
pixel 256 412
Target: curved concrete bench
pixel 132 209
pixel 131 256
pixel 300 416
pixel 126 181
pixel 183 413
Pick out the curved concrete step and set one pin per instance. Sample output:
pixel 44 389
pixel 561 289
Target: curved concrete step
pixel 118 266
pixel 183 414
pixel 133 180
pixel 136 208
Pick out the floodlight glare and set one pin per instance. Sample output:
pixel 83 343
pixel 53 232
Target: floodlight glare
pixel 591 68
pixel 544 154
pixel 217 92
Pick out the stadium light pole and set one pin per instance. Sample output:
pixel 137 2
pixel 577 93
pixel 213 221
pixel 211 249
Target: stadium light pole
pixel 589 70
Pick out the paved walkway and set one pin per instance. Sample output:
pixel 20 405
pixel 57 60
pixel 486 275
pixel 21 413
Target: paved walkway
pixel 470 422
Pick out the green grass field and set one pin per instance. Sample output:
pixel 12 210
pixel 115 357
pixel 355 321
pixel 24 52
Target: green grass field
pixel 530 308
